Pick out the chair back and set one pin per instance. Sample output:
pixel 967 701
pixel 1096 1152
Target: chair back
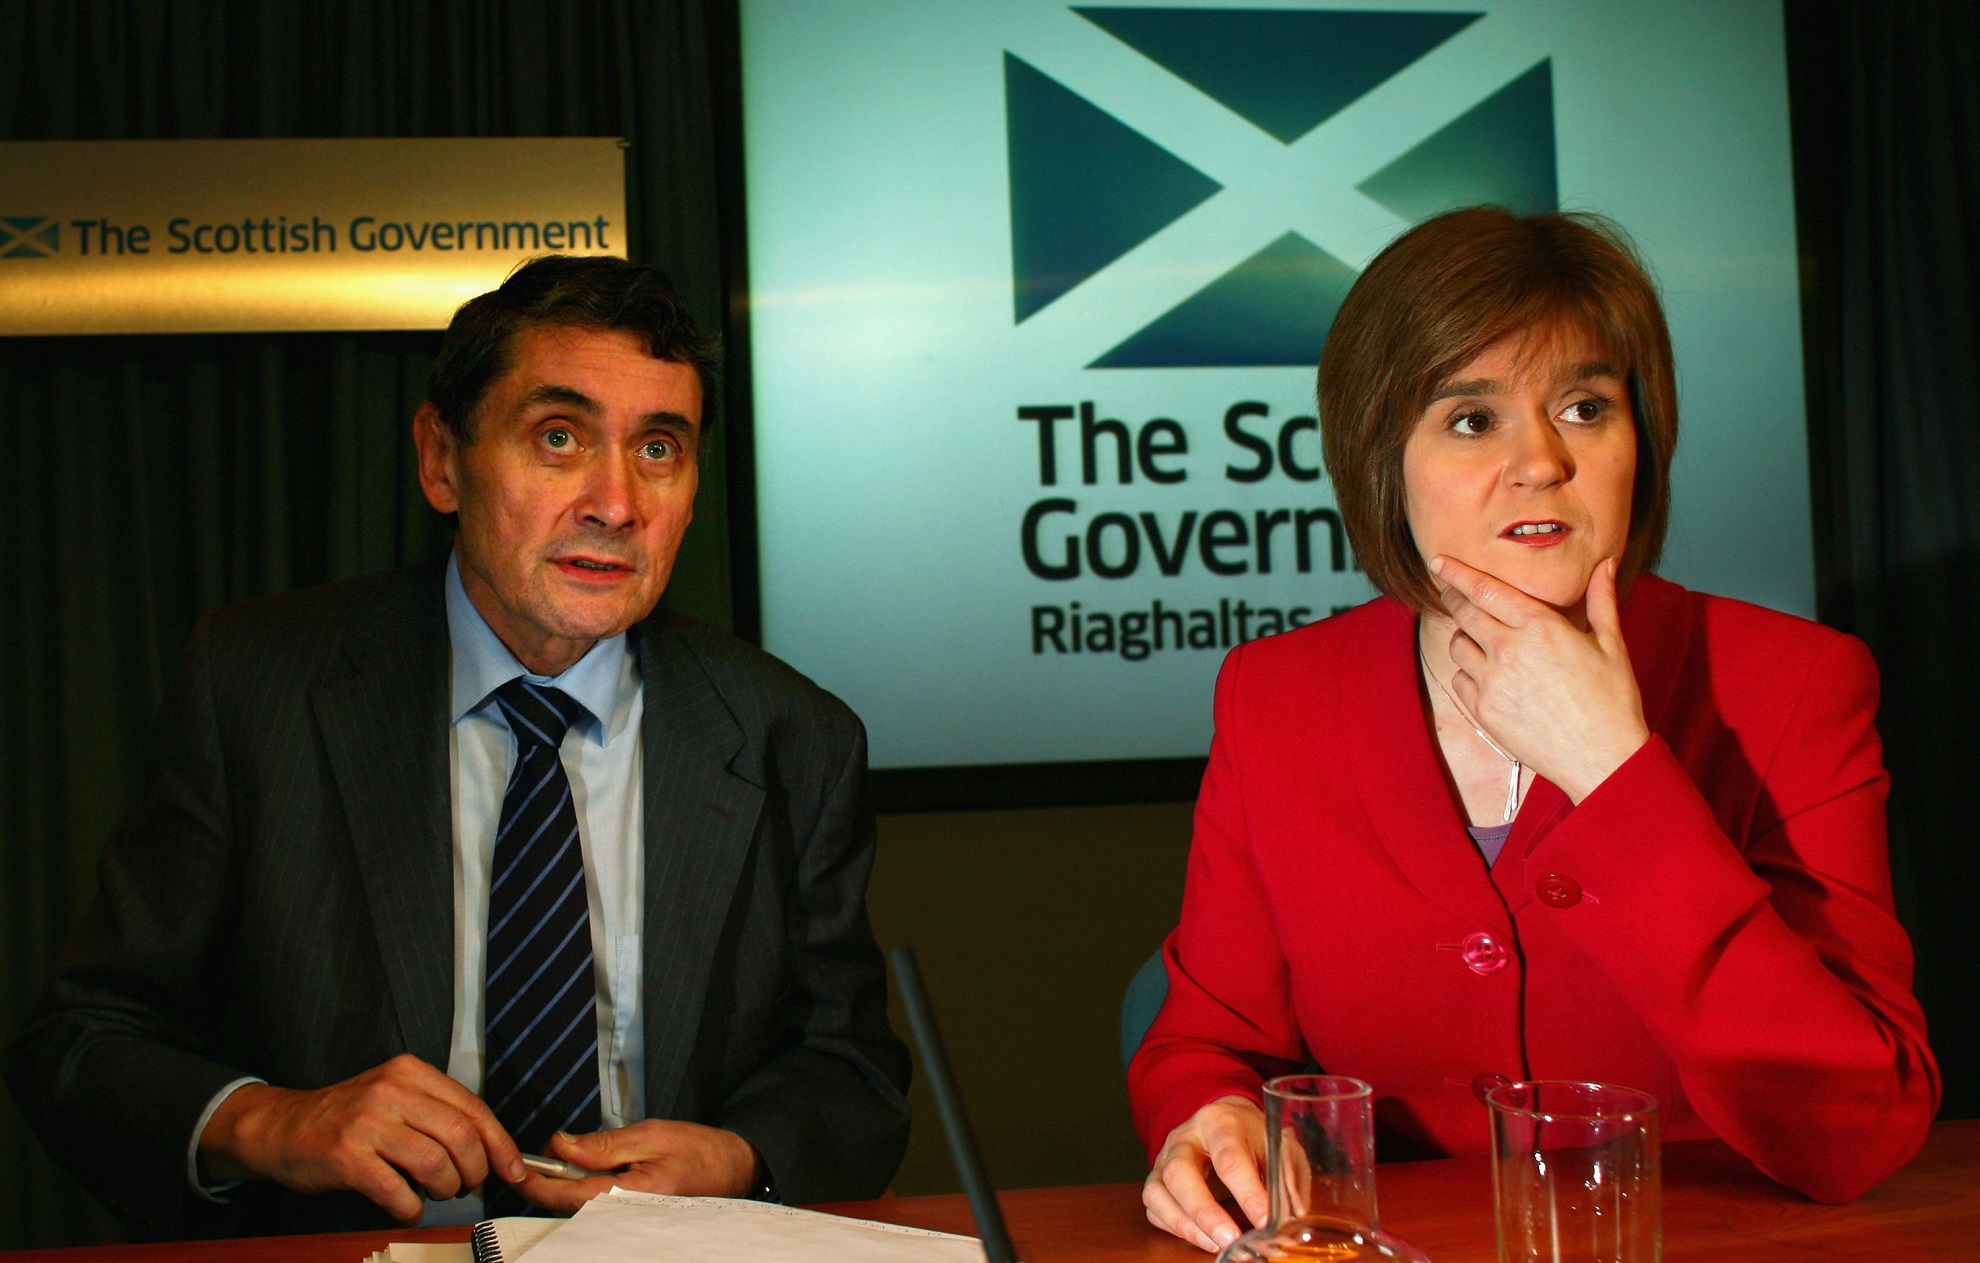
pixel 1145 993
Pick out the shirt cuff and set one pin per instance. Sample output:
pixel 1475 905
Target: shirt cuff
pixel 212 1192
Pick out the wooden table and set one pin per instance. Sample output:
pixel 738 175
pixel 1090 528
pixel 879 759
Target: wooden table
pixel 1716 1207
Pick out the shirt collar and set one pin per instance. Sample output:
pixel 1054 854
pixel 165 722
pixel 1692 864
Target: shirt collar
pixel 604 681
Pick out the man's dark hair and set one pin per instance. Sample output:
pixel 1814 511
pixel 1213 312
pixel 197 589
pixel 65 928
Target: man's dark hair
pixel 586 292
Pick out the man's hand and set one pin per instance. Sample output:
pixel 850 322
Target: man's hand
pixel 400 1125
pixel 657 1155
pixel 1562 700
pixel 1227 1136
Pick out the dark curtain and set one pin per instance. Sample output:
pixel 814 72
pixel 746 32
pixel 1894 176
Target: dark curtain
pixel 1887 154
pixel 147 480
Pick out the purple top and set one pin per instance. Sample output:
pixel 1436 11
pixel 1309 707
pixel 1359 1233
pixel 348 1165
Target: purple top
pixel 1491 839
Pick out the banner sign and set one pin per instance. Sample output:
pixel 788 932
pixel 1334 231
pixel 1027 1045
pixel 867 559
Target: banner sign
pixel 236 236
pixel 1038 289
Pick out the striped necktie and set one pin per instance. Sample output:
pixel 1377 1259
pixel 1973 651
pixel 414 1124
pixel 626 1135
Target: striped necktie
pixel 540 1015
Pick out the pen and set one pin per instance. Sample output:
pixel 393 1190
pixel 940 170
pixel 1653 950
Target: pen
pixel 556 1168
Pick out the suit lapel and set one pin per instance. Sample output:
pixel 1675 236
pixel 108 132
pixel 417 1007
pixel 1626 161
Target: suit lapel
pixel 384 725
pixel 1402 787
pixel 701 819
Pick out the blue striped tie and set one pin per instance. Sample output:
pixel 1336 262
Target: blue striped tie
pixel 540 1016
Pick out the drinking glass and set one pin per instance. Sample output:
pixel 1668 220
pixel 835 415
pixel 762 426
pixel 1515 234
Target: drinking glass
pixel 1575 1173
pixel 1320 1170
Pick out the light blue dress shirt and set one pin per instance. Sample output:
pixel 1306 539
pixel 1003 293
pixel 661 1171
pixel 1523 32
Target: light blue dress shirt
pixel 601 754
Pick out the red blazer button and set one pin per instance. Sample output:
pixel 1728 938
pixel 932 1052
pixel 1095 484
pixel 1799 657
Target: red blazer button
pixel 1557 890
pixel 1482 953
pixel 1485 1082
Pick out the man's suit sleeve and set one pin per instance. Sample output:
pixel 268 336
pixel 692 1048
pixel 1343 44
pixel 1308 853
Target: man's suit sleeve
pixel 829 1112
pixel 112 1068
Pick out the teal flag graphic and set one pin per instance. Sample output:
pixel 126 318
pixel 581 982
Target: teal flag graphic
pixel 29 237
pixel 1501 151
pixel 1085 187
pixel 1285 70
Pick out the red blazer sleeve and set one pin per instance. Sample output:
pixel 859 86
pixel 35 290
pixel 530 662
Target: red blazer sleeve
pixel 1771 969
pixel 1227 1023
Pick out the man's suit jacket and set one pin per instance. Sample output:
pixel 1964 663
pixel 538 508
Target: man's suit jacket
pixel 1712 924
pixel 281 904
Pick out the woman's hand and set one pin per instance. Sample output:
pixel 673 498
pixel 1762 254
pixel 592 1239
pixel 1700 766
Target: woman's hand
pixel 1562 700
pixel 1226 1136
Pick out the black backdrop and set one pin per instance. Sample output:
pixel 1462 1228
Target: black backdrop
pixel 1886 100
pixel 146 480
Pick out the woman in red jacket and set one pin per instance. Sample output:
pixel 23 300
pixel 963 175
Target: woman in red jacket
pixel 1675 876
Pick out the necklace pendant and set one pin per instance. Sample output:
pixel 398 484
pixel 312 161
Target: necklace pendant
pixel 1512 792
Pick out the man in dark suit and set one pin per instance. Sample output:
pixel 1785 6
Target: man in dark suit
pixel 437 867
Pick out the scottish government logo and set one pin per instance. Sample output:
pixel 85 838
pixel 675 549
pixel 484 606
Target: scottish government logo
pixel 1087 187
pixel 29 237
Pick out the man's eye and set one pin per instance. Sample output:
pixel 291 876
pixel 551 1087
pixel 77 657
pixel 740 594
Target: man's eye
pixel 558 438
pixel 658 449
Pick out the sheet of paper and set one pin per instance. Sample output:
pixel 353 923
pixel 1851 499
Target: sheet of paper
pixel 647 1226
pixel 423 1252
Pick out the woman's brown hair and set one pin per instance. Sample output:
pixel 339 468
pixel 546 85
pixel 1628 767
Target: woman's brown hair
pixel 1434 299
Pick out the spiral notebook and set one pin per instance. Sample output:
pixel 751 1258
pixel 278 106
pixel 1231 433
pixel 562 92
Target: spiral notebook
pixel 505 1240
pixel 643 1226
pixel 494 1241
pixel 627 1225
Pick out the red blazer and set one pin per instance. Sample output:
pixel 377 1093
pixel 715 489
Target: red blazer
pixel 1712 925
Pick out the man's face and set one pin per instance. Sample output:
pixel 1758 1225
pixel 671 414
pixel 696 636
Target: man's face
pixel 574 491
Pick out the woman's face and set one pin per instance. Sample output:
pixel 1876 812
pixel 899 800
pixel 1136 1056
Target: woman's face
pixel 1523 463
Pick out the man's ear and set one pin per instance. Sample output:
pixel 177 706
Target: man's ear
pixel 439 459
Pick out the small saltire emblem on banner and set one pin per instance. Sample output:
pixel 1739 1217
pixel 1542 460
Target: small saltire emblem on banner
pixel 28 237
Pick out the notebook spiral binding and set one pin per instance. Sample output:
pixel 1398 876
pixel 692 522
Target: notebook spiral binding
pixel 486 1246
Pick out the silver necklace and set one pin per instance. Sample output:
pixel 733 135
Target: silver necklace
pixel 1512 779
